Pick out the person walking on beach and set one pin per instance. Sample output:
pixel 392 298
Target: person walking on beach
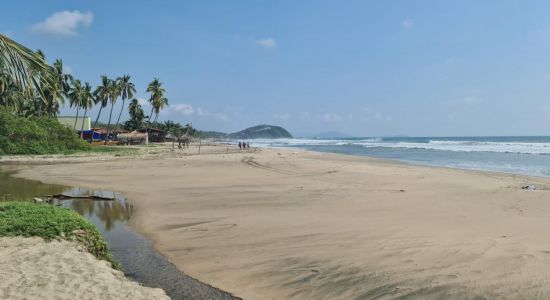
pixel 240 145
pixel 247 145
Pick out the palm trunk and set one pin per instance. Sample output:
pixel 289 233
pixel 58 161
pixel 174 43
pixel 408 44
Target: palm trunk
pixel 119 114
pixel 76 119
pixel 149 121
pixel 95 123
pixel 82 127
pixel 154 121
pixel 109 124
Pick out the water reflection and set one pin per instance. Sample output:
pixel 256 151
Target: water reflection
pixel 19 189
pixel 106 212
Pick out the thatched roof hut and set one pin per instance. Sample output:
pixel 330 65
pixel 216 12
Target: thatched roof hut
pixel 133 137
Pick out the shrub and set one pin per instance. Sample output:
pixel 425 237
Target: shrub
pixel 50 222
pixel 35 135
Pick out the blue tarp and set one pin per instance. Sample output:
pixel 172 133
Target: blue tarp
pixel 88 133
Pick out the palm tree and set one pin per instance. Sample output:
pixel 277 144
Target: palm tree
pixel 86 102
pixel 127 89
pixel 159 105
pixel 63 79
pixel 136 116
pixel 24 66
pixel 157 99
pixel 10 95
pixel 54 97
pixel 75 96
pixel 60 91
pixel 113 92
pixel 7 87
pixel 101 94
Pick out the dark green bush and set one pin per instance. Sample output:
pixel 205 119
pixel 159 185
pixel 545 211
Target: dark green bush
pixel 34 135
pixel 51 222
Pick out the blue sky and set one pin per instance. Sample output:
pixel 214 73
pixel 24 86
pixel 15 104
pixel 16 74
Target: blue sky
pixel 365 68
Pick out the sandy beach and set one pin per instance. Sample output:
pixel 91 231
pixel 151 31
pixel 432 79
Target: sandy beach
pixel 286 224
pixel 35 269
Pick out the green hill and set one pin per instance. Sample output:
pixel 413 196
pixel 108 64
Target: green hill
pixel 262 132
pixel 256 132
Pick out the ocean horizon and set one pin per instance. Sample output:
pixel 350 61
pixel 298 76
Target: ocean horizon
pixel 526 155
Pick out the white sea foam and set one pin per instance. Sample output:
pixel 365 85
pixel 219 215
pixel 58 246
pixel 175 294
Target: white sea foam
pixel 442 145
pixel 471 146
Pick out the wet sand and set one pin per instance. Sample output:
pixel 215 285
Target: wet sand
pixel 276 224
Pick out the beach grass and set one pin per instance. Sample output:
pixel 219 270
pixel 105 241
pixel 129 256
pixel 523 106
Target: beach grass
pixel 50 222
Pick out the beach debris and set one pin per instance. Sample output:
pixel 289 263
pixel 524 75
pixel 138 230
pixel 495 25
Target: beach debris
pixel 529 187
pixel 92 197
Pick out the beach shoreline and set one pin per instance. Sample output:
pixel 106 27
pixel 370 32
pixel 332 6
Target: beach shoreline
pixel 270 223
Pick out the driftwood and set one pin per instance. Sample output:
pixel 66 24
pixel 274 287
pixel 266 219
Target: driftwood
pixel 92 197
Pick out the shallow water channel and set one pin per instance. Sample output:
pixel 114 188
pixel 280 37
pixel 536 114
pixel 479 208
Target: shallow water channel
pixel 139 260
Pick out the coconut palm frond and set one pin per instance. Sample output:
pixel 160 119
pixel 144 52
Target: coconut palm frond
pixel 22 63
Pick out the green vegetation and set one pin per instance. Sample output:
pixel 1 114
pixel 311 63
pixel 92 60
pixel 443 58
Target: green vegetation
pixel 176 129
pixel 262 132
pixel 51 222
pixel 30 87
pixel 32 93
pixel 36 135
pixel 158 100
pixel 256 132
pixel 136 116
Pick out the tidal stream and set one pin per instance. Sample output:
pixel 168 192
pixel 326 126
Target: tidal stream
pixel 139 260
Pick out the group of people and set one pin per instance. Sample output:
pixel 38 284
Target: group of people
pixel 243 145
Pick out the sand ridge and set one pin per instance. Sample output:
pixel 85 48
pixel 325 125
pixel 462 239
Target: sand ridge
pixel 35 269
pixel 275 224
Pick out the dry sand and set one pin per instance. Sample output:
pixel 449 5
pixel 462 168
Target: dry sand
pixel 32 268
pixel 279 224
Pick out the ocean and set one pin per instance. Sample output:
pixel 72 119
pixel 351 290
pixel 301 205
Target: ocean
pixel 528 155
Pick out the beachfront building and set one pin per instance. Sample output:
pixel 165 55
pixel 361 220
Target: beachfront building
pixel 155 135
pixel 69 121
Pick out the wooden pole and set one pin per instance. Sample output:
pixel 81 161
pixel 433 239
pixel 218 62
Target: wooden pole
pixel 200 142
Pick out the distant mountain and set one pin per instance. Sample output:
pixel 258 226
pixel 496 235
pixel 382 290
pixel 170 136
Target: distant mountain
pixel 256 132
pixel 331 135
pixel 262 132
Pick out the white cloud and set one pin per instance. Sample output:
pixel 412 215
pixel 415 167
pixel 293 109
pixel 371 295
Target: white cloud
pixel 267 43
pixel 408 23
pixel 282 117
pixel 205 113
pixel 143 102
pixel 64 23
pixel 182 109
